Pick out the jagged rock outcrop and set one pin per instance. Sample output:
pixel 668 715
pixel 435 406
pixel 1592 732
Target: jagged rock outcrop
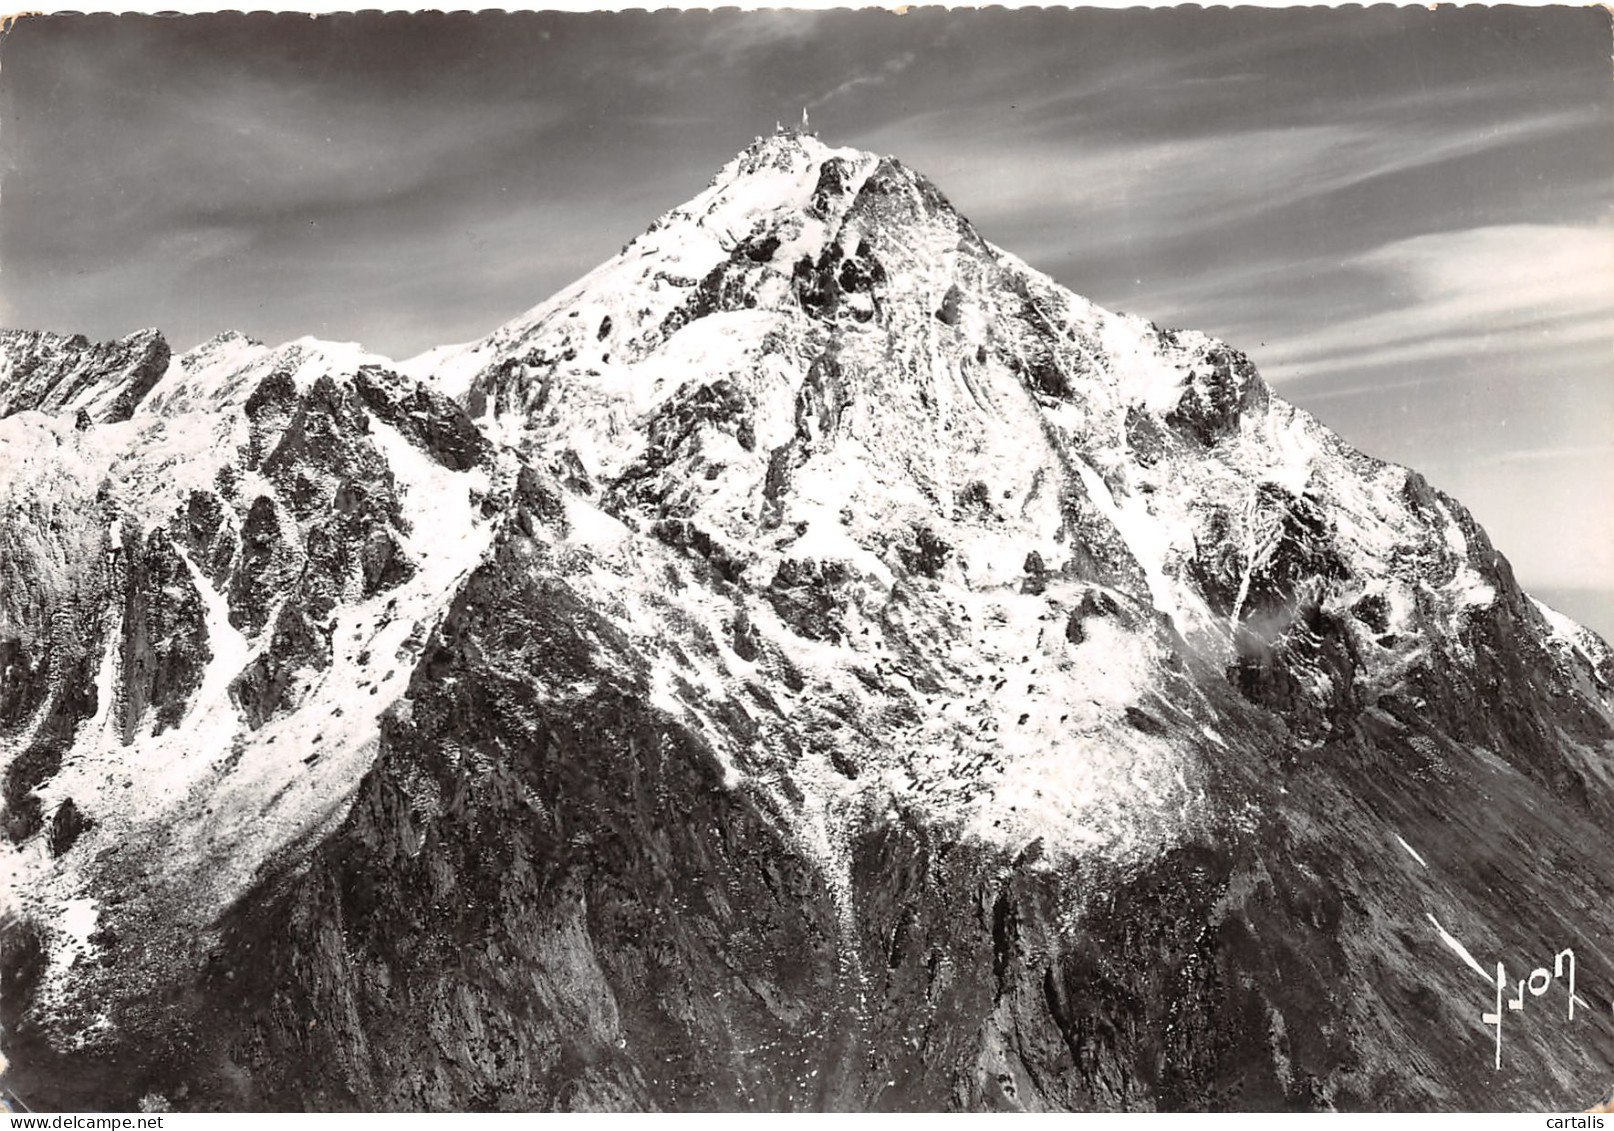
pixel 103 381
pixel 815 661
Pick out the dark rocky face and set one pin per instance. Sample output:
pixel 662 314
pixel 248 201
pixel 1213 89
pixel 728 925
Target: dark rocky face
pixel 819 664
pixel 165 647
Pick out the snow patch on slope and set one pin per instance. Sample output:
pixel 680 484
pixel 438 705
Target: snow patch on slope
pixel 1412 852
pixel 1467 587
pixel 231 650
pixel 1144 537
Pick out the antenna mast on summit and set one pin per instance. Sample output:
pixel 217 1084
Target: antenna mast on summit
pixel 806 126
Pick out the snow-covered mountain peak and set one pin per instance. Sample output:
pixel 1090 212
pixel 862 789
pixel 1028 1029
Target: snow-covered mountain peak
pixel 776 200
pixel 809 546
pixel 222 373
pixel 818 360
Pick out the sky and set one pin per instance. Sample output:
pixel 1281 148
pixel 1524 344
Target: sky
pixel 1403 215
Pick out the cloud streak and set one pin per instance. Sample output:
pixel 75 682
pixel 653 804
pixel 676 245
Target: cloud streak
pixel 1198 184
pixel 888 70
pixel 1518 290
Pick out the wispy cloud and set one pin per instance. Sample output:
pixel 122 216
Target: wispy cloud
pixel 1571 452
pixel 1521 289
pixel 887 71
pixel 1197 184
pixel 1377 387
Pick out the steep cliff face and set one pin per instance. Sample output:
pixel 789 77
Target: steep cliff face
pixel 59 374
pixel 813 661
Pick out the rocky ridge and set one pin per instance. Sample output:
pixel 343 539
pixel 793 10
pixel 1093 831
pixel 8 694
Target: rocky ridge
pixel 97 382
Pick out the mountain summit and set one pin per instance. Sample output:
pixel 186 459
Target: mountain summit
pixel 815 660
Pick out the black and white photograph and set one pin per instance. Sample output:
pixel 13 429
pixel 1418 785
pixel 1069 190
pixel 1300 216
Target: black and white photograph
pixel 924 560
